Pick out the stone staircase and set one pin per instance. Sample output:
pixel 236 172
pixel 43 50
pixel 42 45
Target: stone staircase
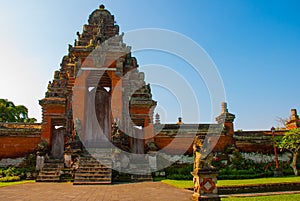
pixel 94 168
pixel 51 171
pixel 140 170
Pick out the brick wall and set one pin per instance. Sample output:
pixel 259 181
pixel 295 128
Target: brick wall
pixel 256 141
pixel 17 140
pixel 175 139
pixel 172 145
pixel 184 145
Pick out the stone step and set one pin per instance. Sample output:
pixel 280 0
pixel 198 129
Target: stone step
pixel 91 183
pixel 52 165
pixel 54 161
pixel 51 171
pixel 48 173
pixel 91 171
pixel 147 177
pixel 90 164
pixel 48 180
pixel 47 176
pixel 92 179
pixel 95 162
pixel 95 166
pixel 96 159
pixel 98 171
pixel 106 178
pixel 78 175
pixel 100 161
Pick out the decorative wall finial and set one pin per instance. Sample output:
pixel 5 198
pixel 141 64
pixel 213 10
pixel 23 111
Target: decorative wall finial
pixel 224 107
pixel 101 7
pixel 179 120
pixel 157 118
pixel 294 115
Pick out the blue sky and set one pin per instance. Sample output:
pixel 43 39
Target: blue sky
pixel 255 45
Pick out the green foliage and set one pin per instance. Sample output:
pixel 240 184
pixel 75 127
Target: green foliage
pixel 290 141
pixel 10 174
pixel 2 184
pixel 237 160
pixel 11 171
pixel 231 166
pixel 10 179
pixel 179 171
pixel 9 112
pixel 241 168
pixel 13 174
pixel 42 148
pixel 29 163
pixel 243 174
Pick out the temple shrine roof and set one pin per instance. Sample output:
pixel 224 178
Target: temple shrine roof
pixel 98 14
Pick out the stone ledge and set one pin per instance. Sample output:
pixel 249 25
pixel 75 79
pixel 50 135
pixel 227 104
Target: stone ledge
pixel 261 188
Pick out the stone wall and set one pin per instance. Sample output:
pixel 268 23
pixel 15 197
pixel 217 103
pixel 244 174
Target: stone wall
pixel 178 139
pixel 255 141
pixel 17 140
pixel 15 162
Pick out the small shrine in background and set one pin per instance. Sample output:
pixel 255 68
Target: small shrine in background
pixel 294 121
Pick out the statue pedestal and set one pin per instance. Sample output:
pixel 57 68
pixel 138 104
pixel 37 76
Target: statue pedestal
pixel 278 172
pixel 205 185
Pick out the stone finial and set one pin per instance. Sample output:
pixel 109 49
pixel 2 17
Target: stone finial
pixel 179 120
pixel 224 107
pixel 157 118
pixel 225 116
pixel 101 7
pixel 294 115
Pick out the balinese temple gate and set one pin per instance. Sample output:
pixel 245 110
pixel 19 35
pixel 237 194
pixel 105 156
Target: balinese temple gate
pixel 98 103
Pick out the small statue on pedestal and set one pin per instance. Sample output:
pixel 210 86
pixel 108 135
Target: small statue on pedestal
pixel 205 175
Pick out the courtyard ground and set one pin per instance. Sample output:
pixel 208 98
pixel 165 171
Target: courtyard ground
pixel 144 191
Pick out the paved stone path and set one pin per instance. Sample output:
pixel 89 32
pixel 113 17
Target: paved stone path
pixel 144 191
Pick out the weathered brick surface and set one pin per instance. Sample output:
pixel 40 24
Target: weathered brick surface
pixel 256 141
pixel 173 145
pixel 16 140
pixel 13 147
pixel 184 145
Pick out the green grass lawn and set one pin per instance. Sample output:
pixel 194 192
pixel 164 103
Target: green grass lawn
pixel 291 197
pixel 2 184
pixel 271 180
pixel 189 183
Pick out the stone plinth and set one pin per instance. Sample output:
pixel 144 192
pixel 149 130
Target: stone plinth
pixel 205 185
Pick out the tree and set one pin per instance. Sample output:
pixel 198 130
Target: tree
pixel 9 112
pixel 291 141
pixel 281 122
